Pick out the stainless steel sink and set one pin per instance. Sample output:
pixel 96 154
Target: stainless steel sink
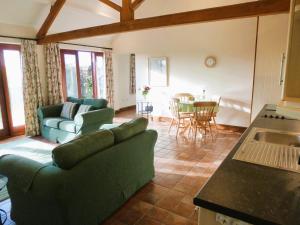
pixel 273 148
pixel 287 139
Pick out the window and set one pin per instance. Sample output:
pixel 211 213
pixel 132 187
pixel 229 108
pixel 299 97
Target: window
pixel 83 74
pixel 12 116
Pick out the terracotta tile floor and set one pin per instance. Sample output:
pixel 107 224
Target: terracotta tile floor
pixel 182 168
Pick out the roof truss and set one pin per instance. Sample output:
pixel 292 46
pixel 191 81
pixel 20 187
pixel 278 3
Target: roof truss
pixel 128 23
pixel 50 18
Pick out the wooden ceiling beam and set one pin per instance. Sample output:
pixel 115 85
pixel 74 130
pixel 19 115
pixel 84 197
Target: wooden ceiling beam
pixel 137 4
pixel 127 13
pixel 112 5
pixel 243 10
pixel 50 18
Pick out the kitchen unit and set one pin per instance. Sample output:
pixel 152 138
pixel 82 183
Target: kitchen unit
pixel 252 193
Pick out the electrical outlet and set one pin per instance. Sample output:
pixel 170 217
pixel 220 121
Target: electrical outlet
pixel 224 220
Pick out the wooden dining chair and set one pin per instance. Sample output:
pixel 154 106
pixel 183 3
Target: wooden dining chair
pixel 178 118
pixel 184 97
pixel 216 110
pixel 202 117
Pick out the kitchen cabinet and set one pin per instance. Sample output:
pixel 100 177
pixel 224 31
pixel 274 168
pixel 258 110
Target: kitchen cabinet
pixel 292 75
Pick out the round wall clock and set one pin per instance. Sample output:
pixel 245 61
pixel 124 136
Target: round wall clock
pixel 210 61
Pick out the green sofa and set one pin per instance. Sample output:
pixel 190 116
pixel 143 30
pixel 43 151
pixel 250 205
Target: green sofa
pixel 89 179
pixel 61 130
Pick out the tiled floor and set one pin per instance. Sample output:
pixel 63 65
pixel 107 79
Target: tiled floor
pixel 182 168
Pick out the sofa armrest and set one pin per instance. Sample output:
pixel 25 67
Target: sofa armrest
pixel 49 111
pixel 24 174
pixel 99 116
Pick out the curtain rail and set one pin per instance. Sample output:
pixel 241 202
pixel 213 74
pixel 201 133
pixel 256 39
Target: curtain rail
pixel 34 39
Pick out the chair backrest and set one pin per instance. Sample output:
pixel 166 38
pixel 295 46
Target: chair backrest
pixel 184 97
pixel 204 111
pixel 174 107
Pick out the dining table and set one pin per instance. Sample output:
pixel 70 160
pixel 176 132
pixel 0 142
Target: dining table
pixel 188 107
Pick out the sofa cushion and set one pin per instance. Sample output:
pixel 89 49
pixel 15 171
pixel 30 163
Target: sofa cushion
pixel 67 125
pixel 69 110
pixel 53 122
pixel 68 155
pixel 96 103
pixel 129 129
pixel 75 100
pixel 84 109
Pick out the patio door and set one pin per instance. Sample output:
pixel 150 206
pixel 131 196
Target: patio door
pixel 4 130
pixel 12 117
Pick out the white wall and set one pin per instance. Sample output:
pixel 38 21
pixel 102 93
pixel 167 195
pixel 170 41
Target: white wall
pixel 232 42
pixel 121 67
pixel 272 43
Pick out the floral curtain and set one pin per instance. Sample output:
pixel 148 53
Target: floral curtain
pixel 109 78
pixel 31 87
pixel 53 73
pixel 132 89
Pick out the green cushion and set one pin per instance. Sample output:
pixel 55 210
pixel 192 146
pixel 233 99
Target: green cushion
pixel 53 122
pixel 129 129
pixel 67 125
pixel 75 100
pixel 68 155
pixel 96 103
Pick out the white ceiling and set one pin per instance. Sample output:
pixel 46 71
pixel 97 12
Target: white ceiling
pixel 85 13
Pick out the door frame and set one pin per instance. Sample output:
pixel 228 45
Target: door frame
pixel 13 131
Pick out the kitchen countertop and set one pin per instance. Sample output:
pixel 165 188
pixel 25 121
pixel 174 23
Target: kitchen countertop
pixel 252 193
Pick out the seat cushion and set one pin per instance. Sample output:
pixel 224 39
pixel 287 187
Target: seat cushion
pixel 67 125
pixel 69 110
pixel 66 156
pixel 53 122
pixel 129 129
pixel 96 103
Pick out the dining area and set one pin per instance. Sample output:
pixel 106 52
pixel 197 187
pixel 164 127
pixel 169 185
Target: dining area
pixel 194 116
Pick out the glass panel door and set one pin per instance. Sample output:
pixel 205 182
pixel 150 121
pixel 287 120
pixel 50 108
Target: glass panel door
pixel 4 130
pixel 86 74
pixel 71 75
pixel 100 75
pixel 14 77
pixel 11 91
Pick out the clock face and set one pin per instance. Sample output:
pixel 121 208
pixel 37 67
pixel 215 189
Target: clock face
pixel 210 61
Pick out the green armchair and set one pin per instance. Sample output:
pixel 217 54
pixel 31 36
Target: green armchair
pixel 61 130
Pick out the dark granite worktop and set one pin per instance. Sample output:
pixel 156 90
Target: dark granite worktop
pixel 255 194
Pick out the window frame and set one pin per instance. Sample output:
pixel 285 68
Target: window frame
pixel 18 130
pixel 94 71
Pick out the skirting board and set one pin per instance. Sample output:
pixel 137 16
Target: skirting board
pixel 220 126
pixel 127 108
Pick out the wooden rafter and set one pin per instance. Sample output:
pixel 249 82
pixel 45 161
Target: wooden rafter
pixel 111 4
pixel 136 4
pixel 50 18
pixel 243 10
pixel 127 13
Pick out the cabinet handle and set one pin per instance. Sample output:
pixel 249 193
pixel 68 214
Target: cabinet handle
pixel 281 69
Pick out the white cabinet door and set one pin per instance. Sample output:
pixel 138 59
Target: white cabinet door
pixel 271 45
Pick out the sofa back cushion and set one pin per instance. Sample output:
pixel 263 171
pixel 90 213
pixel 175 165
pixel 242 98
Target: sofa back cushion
pixel 66 156
pixel 129 129
pixel 96 103
pixel 75 100
pixel 69 110
pixel 84 109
